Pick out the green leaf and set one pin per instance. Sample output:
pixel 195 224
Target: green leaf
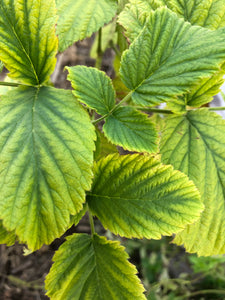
pixel 28 43
pixel 46 146
pixel 1 66
pixel 204 92
pixel 89 268
pixel 135 14
pixel 195 144
pixel 131 129
pixel 79 19
pixel 205 13
pixel 108 34
pixel 137 196
pixel 93 88
pixel 163 64
pixel 76 219
pixel 8 238
pixel 103 146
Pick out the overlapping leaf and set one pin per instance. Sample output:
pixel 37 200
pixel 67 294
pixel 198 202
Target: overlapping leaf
pixel 131 130
pixel 6 237
pixel 135 14
pixel 137 196
pixel 79 19
pixel 46 147
pixel 169 57
pixel 103 146
pixel 195 144
pixel 93 88
pixel 28 43
pixel 88 267
pixel 205 13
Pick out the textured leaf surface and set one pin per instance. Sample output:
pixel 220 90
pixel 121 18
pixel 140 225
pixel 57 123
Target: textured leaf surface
pixel 195 144
pixel 131 129
pixel 137 196
pixel 204 92
pixel 79 19
pixel 103 146
pixel 28 43
pixel 46 146
pixel 135 14
pixel 205 13
pixel 169 57
pixel 8 238
pixel 93 88
pixel 89 268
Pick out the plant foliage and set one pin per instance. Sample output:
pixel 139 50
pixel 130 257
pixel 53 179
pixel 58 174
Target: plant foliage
pixel 58 161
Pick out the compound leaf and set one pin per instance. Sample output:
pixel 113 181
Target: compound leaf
pixel 137 196
pixel 88 267
pixel 93 88
pixel 163 64
pixel 28 43
pixel 46 146
pixel 8 238
pixel 131 129
pixel 79 19
pixel 195 144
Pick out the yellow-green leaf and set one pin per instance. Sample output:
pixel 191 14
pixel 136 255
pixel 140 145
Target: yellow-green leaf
pixel 8 238
pixel 195 144
pixel 93 88
pixel 79 19
pixel 46 156
pixel 138 196
pixel 28 43
pixel 92 268
pixel 162 64
pixel 131 130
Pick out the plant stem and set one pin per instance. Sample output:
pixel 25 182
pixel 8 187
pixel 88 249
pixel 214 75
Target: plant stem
pixel 91 220
pixel 216 108
pixel 126 98
pixel 9 83
pixel 204 292
pixel 155 110
pixel 99 50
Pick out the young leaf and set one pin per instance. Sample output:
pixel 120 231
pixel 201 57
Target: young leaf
pixel 163 64
pixel 131 129
pixel 195 145
pixel 28 43
pixel 46 146
pixel 89 268
pixel 79 19
pixel 93 88
pixel 8 238
pixel 137 196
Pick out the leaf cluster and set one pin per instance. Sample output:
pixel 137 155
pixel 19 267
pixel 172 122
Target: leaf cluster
pixel 55 163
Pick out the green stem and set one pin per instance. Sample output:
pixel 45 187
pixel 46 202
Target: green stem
pixel 91 220
pixel 216 108
pixel 126 98
pixel 204 292
pixel 10 83
pixel 155 110
pixel 99 50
